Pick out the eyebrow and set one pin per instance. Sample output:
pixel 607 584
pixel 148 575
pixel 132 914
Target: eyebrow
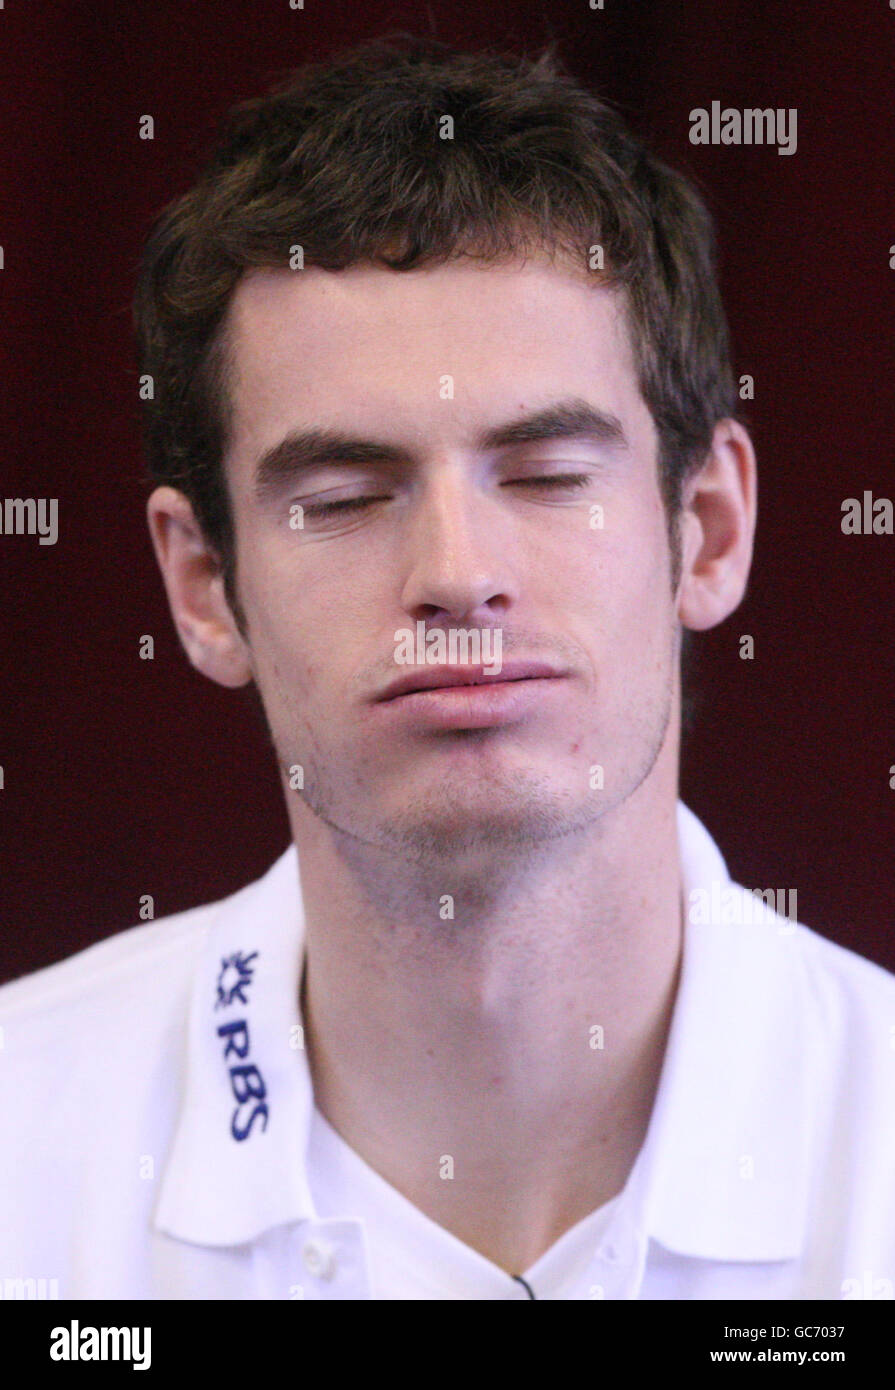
pixel 302 450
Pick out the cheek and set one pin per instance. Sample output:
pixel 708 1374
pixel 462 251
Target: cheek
pixel 308 617
pixel 625 565
pixel 620 587
pixel 271 598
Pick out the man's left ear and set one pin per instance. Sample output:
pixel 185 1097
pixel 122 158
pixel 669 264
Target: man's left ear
pixel 717 529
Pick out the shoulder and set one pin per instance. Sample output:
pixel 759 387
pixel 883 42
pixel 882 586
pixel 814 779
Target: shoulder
pixel 845 1032
pixel 830 1008
pixel 92 1055
pixel 103 1012
pixel 134 963
pixel 851 997
pixel 857 976
pixel 837 1007
pixel 831 980
pixel 92 1059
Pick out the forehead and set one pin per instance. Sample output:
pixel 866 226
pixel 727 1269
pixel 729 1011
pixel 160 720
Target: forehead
pixel 434 349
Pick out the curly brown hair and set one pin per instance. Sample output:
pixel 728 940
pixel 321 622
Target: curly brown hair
pixel 345 159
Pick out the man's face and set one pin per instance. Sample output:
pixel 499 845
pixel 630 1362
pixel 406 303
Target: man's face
pixel 459 532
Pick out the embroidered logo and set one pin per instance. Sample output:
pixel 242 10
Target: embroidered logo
pixel 235 976
pixel 246 1082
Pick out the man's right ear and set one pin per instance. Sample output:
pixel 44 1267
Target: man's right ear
pixel 194 584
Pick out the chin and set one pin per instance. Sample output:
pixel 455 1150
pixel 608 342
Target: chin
pixel 487 818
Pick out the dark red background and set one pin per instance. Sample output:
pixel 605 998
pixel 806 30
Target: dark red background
pixel 125 777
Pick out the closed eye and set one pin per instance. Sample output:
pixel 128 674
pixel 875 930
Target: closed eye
pixel 572 480
pixel 353 504
pixel 345 504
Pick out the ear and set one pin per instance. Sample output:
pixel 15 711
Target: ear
pixel 717 529
pixel 195 587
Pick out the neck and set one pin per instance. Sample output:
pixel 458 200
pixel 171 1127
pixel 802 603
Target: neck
pixel 522 1037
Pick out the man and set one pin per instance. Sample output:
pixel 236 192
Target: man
pixel 442 427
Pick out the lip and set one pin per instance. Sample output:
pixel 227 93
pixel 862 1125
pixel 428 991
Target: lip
pixel 424 680
pixel 489 702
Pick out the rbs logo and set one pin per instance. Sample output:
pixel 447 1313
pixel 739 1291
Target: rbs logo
pixel 246 1081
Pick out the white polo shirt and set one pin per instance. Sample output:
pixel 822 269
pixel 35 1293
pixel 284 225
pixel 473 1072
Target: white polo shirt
pixel 159 1137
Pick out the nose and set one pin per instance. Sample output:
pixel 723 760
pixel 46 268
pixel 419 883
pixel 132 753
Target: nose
pixel 458 552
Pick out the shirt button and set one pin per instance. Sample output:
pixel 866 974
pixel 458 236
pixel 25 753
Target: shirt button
pixel 320 1259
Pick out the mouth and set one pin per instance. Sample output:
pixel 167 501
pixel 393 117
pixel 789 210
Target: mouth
pixel 461 679
pixel 460 699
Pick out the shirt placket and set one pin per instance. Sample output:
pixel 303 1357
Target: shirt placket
pixel 314 1260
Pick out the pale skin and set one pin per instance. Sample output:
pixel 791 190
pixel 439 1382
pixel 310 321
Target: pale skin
pixel 470 1036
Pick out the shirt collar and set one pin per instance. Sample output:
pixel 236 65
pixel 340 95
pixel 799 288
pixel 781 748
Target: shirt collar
pixel 721 1173
pixel 219 1188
